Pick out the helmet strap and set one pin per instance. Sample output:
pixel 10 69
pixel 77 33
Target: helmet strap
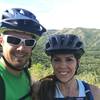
pixel 77 66
pixel 11 66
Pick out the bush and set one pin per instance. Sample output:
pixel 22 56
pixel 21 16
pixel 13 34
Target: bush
pixel 39 71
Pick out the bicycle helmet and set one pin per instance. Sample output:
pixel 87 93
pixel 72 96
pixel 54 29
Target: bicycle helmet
pixel 19 19
pixel 61 44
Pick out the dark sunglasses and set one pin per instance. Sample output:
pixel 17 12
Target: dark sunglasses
pixel 17 41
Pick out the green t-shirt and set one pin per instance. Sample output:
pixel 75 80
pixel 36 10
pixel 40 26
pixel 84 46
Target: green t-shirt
pixel 15 86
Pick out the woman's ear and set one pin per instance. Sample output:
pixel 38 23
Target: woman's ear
pixel 78 61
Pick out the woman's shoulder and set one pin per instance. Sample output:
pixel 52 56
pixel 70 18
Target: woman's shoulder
pixel 36 85
pixel 41 87
pixel 95 91
pixel 42 83
pixel 35 89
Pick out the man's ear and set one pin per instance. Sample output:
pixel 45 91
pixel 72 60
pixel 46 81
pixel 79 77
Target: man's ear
pixel 1 39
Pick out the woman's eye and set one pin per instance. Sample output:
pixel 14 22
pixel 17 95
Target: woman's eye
pixel 69 60
pixel 56 60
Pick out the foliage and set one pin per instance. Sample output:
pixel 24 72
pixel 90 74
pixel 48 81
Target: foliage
pixel 39 71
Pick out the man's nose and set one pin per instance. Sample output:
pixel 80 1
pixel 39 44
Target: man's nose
pixel 21 46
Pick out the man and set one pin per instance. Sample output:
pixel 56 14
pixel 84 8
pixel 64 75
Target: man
pixel 19 30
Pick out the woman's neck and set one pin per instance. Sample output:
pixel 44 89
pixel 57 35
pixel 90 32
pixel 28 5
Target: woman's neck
pixel 69 88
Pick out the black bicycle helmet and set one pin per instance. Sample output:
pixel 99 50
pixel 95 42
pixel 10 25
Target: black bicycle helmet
pixel 61 44
pixel 21 20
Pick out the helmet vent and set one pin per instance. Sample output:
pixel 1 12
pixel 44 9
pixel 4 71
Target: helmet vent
pixel 21 12
pixel 78 44
pixel 70 43
pixel 54 42
pixel 62 41
pixel 47 45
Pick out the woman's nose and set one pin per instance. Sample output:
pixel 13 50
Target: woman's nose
pixel 63 64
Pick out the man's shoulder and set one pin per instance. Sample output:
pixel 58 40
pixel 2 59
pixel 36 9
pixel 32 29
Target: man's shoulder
pixel 1 65
pixel 2 69
pixel 95 91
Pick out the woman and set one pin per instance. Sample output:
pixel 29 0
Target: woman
pixel 65 52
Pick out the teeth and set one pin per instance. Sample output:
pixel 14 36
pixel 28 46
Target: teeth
pixel 63 73
pixel 19 55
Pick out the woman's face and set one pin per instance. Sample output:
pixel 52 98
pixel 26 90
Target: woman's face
pixel 64 66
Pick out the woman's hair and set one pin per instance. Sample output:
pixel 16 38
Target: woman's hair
pixel 47 88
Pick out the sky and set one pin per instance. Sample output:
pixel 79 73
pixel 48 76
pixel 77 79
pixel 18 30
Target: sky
pixel 59 14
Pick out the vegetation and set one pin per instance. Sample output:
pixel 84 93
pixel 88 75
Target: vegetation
pixel 89 69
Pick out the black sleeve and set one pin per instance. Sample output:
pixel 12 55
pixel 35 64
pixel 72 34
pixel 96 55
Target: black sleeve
pixel 2 89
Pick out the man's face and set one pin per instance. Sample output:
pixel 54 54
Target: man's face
pixel 17 48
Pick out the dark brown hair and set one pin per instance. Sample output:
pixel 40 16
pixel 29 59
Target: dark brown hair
pixel 47 88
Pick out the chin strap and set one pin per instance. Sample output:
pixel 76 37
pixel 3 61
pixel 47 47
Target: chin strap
pixel 11 66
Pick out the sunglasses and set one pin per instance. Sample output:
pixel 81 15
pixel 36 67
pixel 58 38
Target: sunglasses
pixel 17 41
